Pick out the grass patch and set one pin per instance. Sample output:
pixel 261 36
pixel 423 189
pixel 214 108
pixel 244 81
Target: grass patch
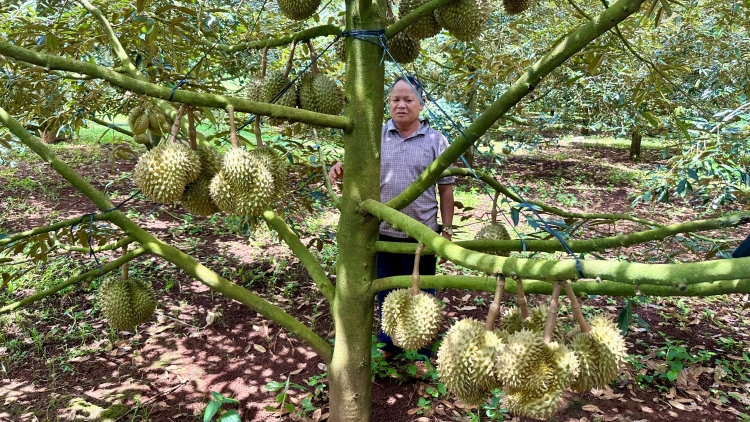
pixel 614 142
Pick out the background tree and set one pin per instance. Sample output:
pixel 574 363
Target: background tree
pixel 119 54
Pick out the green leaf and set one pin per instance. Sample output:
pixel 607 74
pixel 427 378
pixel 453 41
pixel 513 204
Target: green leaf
pixel 211 409
pixel 230 416
pixel 274 386
pixel 626 314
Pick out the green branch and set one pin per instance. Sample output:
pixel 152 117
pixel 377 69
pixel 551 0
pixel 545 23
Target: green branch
pixel 487 178
pixel 180 96
pixel 110 125
pixel 108 247
pixel 413 16
pixel 561 51
pixel 73 280
pixel 300 251
pixel 679 275
pixel 581 288
pixel 170 253
pixel 52 227
pixel 301 36
pixel 588 245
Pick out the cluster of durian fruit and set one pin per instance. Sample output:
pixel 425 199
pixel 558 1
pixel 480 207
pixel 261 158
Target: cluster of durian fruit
pixel 241 182
pixel 531 358
pixel 126 301
pixel 145 122
pixel 313 91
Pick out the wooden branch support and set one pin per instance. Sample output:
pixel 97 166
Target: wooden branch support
pixel 176 125
pixel 496 305
pixel 554 304
pixel 521 297
pixel 576 308
pixel 232 128
pixel 415 271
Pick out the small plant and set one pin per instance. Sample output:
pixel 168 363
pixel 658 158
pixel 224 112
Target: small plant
pixel 214 409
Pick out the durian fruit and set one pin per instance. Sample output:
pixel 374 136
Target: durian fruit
pixel 197 196
pixel 412 321
pixel 143 139
pixel 340 48
pixel 320 93
pixel 272 85
pixel 512 322
pixel 465 19
pixel 513 7
pixel 425 27
pixel 157 121
pixel 466 360
pixel 403 47
pixel 276 165
pixel 222 194
pixel 298 9
pixel 494 231
pixel 535 374
pixel 254 90
pixel 602 353
pixel 245 185
pixel 126 303
pixel 163 172
pixel 138 120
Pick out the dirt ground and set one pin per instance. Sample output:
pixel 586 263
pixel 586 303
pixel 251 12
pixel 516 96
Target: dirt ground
pixel 199 342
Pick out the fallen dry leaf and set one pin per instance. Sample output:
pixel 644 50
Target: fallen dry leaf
pixel 591 408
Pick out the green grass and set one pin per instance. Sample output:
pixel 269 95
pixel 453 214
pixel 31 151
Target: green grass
pixel 614 142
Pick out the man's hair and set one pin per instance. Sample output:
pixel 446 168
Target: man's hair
pixel 413 81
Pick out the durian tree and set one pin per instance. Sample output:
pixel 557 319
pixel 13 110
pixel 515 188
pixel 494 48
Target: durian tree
pixel 115 62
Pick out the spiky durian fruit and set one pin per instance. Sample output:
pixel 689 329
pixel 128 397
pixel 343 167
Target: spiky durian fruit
pixel 137 120
pixel 222 194
pixel 602 353
pixel 465 19
pixel 273 84
pixel 535 374
pixel 512 322
pixel 163 172
pixel 240 168
pixel 126 303
pixel 466 361
pixel 404 48
pixel 425 27
pixel 276 164
pixel 197 197
pixel 157 121
pixel 254 90
pixel 321 94
pixel 412 321
pixel 495 231
pixel 298 9
pixel 244 186
pixel 143 139
pixel 513 7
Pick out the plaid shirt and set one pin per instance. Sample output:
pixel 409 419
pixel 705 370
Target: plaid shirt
pixel 401 161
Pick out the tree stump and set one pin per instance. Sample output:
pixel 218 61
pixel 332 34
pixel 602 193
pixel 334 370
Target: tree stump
pixel 635 145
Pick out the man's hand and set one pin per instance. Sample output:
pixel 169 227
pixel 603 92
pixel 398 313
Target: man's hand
pixel 336 172
pixel 449 238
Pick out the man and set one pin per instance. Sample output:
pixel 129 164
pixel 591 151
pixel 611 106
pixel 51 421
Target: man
pixel 408 146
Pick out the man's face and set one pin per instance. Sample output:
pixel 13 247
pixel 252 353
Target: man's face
pixel 404 103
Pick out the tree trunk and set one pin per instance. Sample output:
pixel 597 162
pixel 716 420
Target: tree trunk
pixel 49 137
pixel 635 145
pixel 349 372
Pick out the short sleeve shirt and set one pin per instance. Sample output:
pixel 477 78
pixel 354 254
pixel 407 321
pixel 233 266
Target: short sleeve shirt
pixel 402 160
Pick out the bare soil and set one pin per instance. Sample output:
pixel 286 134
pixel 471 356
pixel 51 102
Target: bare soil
pixel 199 342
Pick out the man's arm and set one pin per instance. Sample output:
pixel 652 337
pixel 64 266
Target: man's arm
pixel 446 207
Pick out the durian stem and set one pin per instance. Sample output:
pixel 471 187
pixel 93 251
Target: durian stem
pixel 576 308
pixel 520 297
pixel 256 129
pixel 126 265
pixel 415 272
pixel 554 303
pixel 313 55
pixel 389 10
pixel 290 60
pixel 496 305
pixel 192 133
pixel 264 63
pixel 495 207
pixel 232 128
pixel 176 124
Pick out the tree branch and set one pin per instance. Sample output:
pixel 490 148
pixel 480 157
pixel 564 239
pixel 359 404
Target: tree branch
pixel 52 227
pixel 181 96
pixel 582 288
pixel 413 16
pixel 307 259
pixel 573 43
pixel 301 36
pixel 588 245
pixel 73 280
pixel 680 275
pixel 110 125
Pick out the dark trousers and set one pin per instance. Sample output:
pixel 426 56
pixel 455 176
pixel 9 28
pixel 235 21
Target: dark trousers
pixel 392 264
